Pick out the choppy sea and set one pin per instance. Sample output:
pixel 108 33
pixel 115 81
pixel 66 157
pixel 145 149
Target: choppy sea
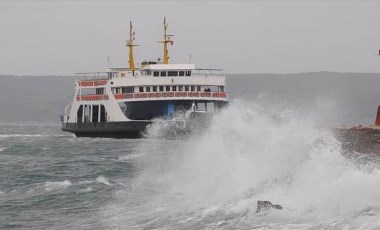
pixel 273 143
pixel 211 180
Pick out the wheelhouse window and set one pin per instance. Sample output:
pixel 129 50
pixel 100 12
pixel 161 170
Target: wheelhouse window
pixel 163 73
pixel 198 88
pixel 188 73
pixel 154 88
pixel 167 88
pixel 192 88
pixel 141 89
pixel 186 88
pixel 172 73
pixel 156 74
pixel 148 89
pixel 180 88
pixel 181 73
pixel 161 88
pixel 174 88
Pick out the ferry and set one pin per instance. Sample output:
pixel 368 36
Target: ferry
pixel 123 102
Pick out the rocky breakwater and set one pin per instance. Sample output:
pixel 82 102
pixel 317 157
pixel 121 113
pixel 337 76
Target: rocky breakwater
pixel 362 139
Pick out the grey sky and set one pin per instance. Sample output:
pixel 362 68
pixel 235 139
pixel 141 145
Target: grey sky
pixel 64 37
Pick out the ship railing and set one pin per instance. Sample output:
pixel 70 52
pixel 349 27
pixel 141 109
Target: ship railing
pixel 180 94
pixel 94 76
pixel 208 72
pixel 92 97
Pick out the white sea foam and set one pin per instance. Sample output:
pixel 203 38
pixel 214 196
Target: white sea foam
pixel 56 185
pixel 2 149
pixel 130 157
pixel 85 182
pixel 103 180
pixel 86 190
pixel 249 154
pixel 21 135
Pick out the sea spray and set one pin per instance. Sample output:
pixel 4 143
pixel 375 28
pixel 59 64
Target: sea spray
pixel 214 179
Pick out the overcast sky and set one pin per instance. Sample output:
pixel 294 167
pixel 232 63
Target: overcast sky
pixel 65 37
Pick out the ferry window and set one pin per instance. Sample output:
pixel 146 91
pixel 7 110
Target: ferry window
pixel 188 73
pixel 148 72
pixel 141 89
pixel 154 88
pixel 128 89
pixel 198 88
pixel 95 113
pixel 103 113
pixel 174 88
pixel 186 88
pixel 192 88
pixel 156 73
pixel 161 88
pixel 167 88
pixel 163 73
pixel 172 73
pixel 100 91
pixel 181 73
pixel 180 88
pixel 221 88
pixel 122 74
pixel 147 89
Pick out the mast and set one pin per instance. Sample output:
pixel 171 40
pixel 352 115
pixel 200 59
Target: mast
pixel 130 45
pixel 165 42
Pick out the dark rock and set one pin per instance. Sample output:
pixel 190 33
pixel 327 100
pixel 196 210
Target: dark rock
pixel 264 205
pixel 362 139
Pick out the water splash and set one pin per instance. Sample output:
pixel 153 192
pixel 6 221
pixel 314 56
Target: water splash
pixel 214 179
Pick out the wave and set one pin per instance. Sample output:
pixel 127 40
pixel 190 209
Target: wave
pixel 56 185
pixel 130 157
pixel 103 180
pixel 86 190
pixel 251 153
pixel 22 135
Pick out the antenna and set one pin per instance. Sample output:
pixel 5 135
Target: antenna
pixel 131 45
pixel 190 58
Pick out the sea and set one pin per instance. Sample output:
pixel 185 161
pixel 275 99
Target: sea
pixel 274 142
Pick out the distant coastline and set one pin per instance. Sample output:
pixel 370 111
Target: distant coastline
pixel 338 98
pixel 230 74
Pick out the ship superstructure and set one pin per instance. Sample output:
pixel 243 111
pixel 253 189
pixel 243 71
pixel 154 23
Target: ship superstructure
pixel 121 102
